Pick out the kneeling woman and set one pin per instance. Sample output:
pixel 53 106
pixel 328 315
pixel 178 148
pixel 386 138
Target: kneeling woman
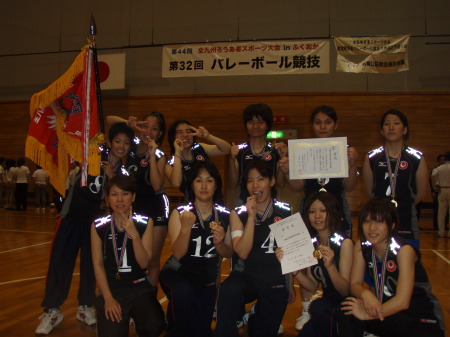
pixel 403 304
pixel 257 273
pixel 334 249
pixel 121 250
pixel 200 238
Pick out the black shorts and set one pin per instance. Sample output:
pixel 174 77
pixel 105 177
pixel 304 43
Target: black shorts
pixel 156 207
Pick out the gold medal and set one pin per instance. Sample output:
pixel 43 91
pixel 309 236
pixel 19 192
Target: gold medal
pixel 317 254
pixel 117 276
pixel 213 224
pixel 322 190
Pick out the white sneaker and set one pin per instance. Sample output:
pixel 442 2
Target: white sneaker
pixel 280 330
pixel 49 320
pixel 301 321
pixel 86 314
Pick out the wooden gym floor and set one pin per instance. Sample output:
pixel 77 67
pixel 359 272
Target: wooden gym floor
pixel 25 248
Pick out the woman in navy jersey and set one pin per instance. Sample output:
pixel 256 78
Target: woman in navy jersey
pixel 397 171
pixel 82 206
pixel 324 122
pixel 200 238
pixel 323 219
pixel 147 165
pixel 121 251
pixel 257 120
pixel 185 151
pixel 402 303
pixel 256 275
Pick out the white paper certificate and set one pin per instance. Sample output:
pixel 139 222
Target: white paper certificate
pixel 292 235
pixel 318 158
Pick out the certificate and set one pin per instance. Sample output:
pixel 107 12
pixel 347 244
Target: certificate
pixel 292 235
pixel 318 158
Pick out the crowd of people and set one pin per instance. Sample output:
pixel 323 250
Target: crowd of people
pixel 374 283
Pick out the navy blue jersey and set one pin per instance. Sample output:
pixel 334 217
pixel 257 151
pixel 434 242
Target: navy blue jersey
pixel 246 154
pixel 405 189
pixel 423 304
pixel 138 167
pixel 201 262
pixel 129 269
pixel 149 202
pixel 261 262
pixel 319 272
pixel 198 154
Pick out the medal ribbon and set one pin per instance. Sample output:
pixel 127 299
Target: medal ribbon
pixel 265 214
pixel 379 276
pixel 199 215
pixel 262 155
pixel 393 179
pixel 125 238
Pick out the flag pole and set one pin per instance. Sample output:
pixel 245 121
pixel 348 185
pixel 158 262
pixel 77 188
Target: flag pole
pixel 93 47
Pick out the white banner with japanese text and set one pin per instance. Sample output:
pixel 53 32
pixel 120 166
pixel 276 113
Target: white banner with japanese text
pixel 373 54
pixel 247 58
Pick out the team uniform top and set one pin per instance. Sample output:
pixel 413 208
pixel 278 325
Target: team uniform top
pixel 84 202
pixel 148 201
pixel 138 166
pixel 246 155
pixel 319 272
pixel 201 262
pixel 423 305
pixel 405 190
pixel 198 154
pixel 261 263
pixel 130 271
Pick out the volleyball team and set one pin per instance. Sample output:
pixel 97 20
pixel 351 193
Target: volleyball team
pixel 374 283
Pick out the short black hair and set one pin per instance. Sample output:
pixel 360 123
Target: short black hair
pixel 118 128
pixel 208 166
pixel 447 156
pixel 20 161
pixel 334 214
pixel 400 115
pixel 260 111
pixel 379 209
pixel 123 182
pixel 162 125
pixel 327 110
pixel 264 169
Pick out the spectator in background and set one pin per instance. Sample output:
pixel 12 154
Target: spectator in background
pixel 40 178
pixel 440 160
pixel 441 183
pixel 10 186
pixel 21 178
pixel 72 174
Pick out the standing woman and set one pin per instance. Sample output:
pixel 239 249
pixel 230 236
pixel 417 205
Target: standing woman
pixel 397 171
pixel 402 303
pixel 147 166
pixel 81 207
pixel 185 151
pixel 10 185
pixel 121 250
pixel 21 178
pixel 257 120
pixel 324 121
pixel 257 273
pixel 323 219
pixel 200 238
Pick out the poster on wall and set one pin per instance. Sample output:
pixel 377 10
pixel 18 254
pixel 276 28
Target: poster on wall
pixel 372 54
pixel 246 58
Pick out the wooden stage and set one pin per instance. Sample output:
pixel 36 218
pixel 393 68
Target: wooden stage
pixel 24 254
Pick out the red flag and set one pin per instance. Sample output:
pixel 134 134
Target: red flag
pixel 64 122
